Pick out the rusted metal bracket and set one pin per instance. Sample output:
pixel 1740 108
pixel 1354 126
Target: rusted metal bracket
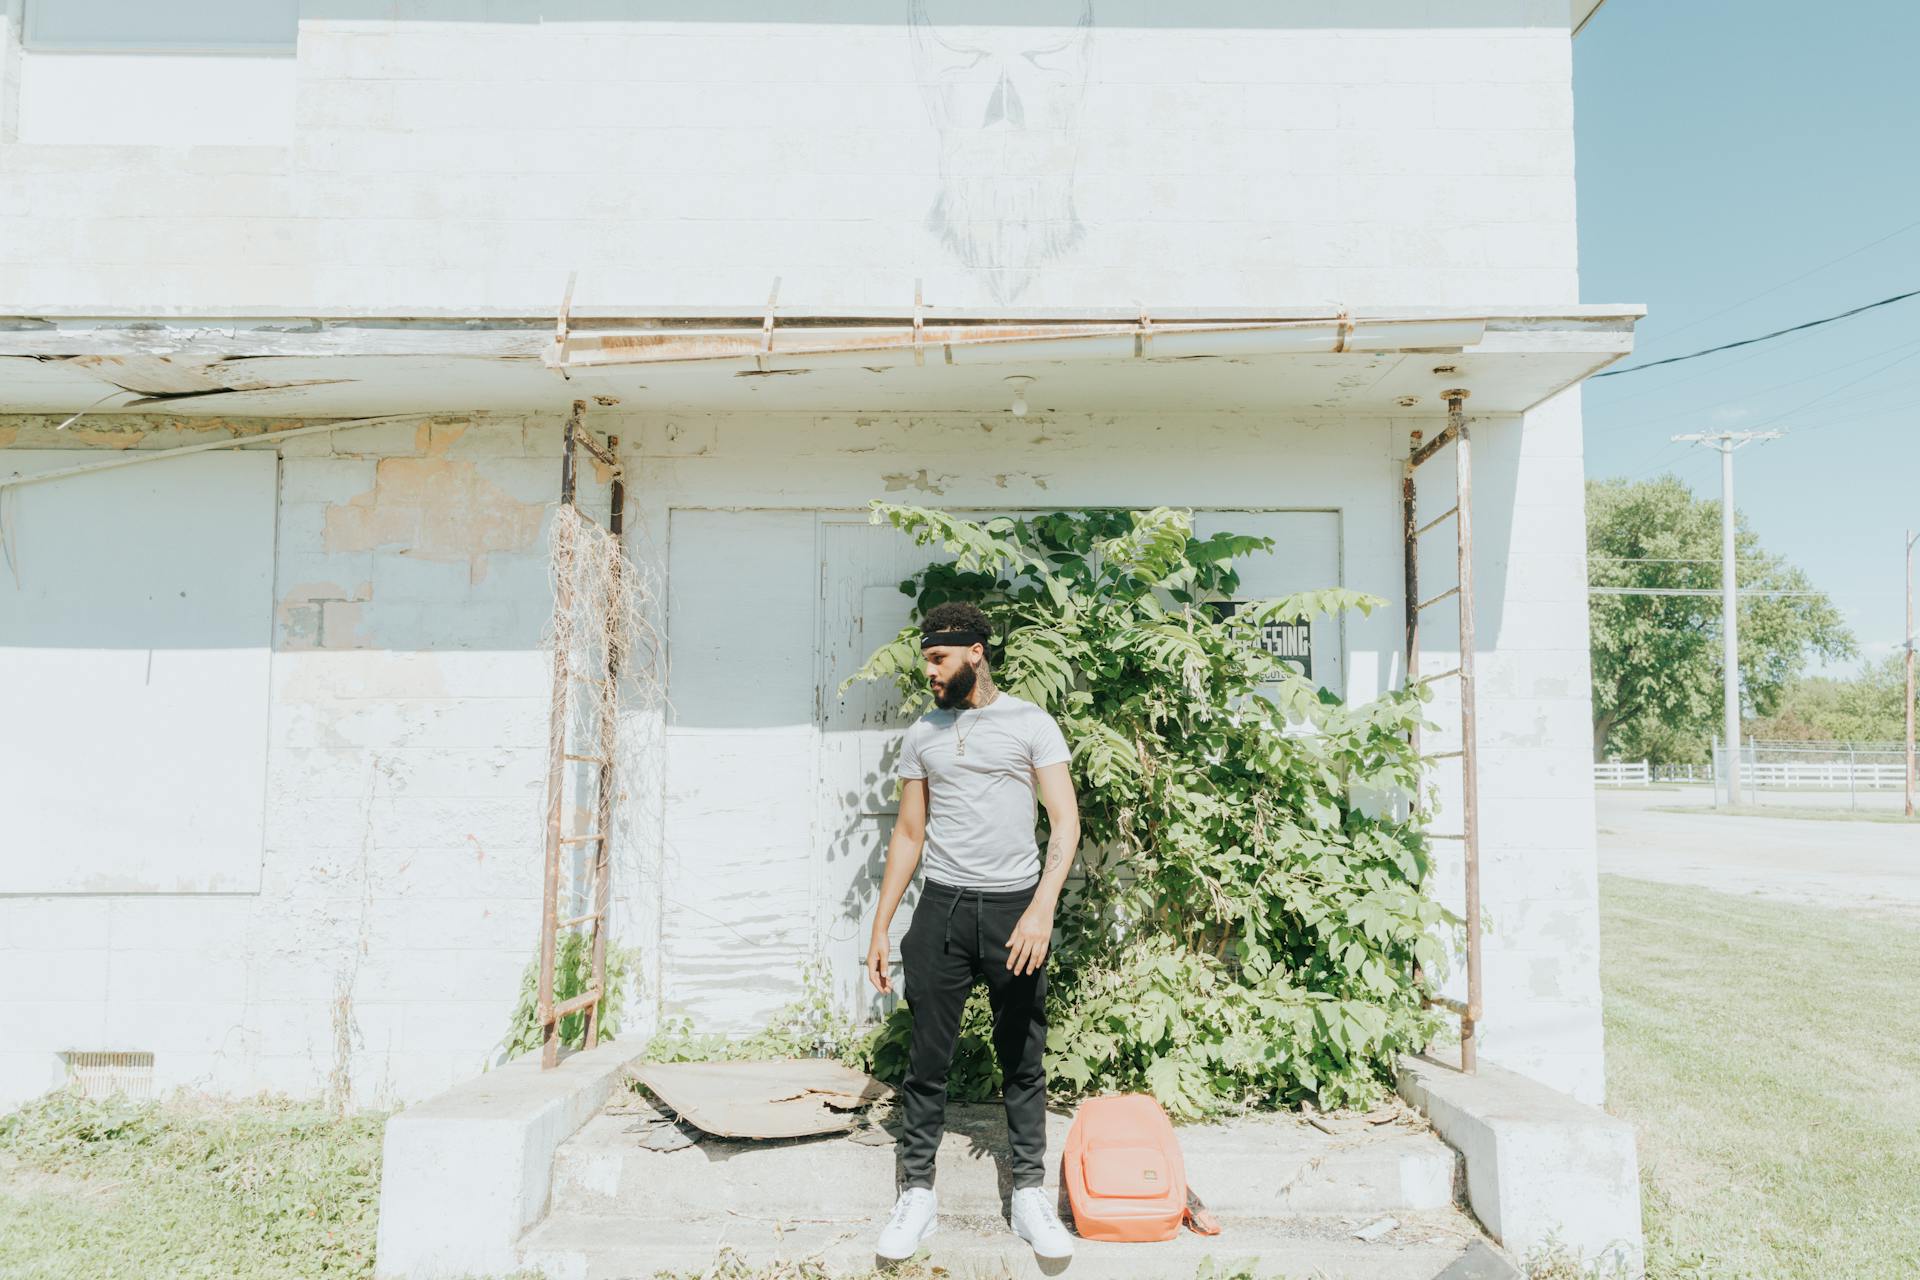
pixel 604 453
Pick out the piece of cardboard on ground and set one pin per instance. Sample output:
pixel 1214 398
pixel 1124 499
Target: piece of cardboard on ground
pixel 792 1098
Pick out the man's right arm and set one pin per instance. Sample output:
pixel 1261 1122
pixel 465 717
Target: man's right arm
pixel 903 856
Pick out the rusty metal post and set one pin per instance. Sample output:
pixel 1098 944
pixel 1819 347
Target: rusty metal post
pixel 568 466
pixel 557 747
pixel 609 727
pixel 1408 511
pixel 1469 732
pixel 1411 531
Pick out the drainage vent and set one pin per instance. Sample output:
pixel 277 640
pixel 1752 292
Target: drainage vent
pixel 105 1074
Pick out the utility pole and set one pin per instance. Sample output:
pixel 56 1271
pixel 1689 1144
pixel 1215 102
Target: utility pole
pixel 1726 442
pixel 1912 538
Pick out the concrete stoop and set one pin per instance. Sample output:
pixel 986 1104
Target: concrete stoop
pixel 522 1167
pixel 569 1246
pixel 1288 1194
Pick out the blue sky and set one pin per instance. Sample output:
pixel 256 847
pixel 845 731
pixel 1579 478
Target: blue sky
pixel 1733 157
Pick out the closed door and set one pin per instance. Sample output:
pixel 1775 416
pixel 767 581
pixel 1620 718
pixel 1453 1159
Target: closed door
pixel 741 777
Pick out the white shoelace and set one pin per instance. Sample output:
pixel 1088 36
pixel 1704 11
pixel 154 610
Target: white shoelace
pixel 904 1207
pixel 1045 1210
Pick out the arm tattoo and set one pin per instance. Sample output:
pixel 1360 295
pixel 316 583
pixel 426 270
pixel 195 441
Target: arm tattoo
pixel 1059 853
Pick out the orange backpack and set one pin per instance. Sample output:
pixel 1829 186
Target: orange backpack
pixel 1124 1175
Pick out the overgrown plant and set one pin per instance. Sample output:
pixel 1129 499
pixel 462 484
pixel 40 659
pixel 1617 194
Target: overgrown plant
pixel 809 1026
pixel 1251 898
pixel 572 974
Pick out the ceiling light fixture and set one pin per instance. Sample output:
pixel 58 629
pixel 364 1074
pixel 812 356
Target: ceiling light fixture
pixel 1019 406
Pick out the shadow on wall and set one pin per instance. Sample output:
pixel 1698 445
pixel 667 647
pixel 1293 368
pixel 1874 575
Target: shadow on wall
pixel 429 538
pixel 149 615
pixel 1495 454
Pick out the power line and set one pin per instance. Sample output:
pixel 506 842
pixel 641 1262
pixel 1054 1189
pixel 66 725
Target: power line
pixel 1852 253
pixel 1830 392
pixel 1765 337
pixel 1694 411
pixel 1659 388
pixel 1665 457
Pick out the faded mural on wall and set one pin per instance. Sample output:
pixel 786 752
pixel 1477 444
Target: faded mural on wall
pixel 1007 101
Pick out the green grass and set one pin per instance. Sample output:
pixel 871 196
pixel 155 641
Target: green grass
pixel 1768 1056
pixel 250 1191
pixel 1804 814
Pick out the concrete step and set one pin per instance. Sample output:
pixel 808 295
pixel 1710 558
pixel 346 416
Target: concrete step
pixel 1257 1167
pixel 572 1246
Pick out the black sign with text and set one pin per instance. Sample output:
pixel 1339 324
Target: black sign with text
pixel 1291 642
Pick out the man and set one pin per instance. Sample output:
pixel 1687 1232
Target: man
pixel 969 773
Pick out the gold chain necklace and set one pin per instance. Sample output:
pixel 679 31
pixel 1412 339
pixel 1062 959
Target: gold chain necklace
pixel 960 739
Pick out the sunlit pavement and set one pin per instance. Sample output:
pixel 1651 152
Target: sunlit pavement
pixel 1838 863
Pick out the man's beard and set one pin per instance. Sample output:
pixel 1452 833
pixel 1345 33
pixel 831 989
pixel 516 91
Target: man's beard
pixel 958 689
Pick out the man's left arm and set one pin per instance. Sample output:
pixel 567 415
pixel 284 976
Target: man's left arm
pixel 1027 948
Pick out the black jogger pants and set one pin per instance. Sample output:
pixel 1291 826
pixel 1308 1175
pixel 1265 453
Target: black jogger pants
pixel 959 936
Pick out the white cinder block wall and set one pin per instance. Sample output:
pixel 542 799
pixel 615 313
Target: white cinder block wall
pixel 397 876
pixel 458 155
pixel 461 158
pixel 399 871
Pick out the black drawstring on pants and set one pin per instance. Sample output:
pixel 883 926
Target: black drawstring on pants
pixel 982 898
pixel 946 933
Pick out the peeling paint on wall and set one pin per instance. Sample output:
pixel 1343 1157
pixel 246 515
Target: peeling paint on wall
pixel 917 480
pixel 305 611
pixel 1003 479
pixel 107 437
pixel 120 430
pixel 436 508
pixel 434 438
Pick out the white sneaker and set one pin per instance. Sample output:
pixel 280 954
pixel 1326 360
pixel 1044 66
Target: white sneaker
pixel 1035 1222
pixel 912 1222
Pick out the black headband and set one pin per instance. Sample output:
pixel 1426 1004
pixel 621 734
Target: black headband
pixel 930 638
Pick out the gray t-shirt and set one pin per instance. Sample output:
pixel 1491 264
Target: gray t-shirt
pixel 982 801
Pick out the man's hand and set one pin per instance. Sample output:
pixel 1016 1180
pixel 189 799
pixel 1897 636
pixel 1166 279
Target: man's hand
pixel 877 969
pixel 1027 948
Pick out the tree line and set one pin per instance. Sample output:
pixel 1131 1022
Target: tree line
pixel 1657 658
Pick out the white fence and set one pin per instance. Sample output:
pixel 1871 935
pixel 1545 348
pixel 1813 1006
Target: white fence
pixel 1807 774
pixel 1773 772
pixel 1775 766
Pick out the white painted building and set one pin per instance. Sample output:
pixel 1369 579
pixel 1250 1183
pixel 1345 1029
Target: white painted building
pixel 273 747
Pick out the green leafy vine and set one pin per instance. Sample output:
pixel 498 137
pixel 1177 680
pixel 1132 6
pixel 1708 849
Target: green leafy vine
pixel 1252 897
